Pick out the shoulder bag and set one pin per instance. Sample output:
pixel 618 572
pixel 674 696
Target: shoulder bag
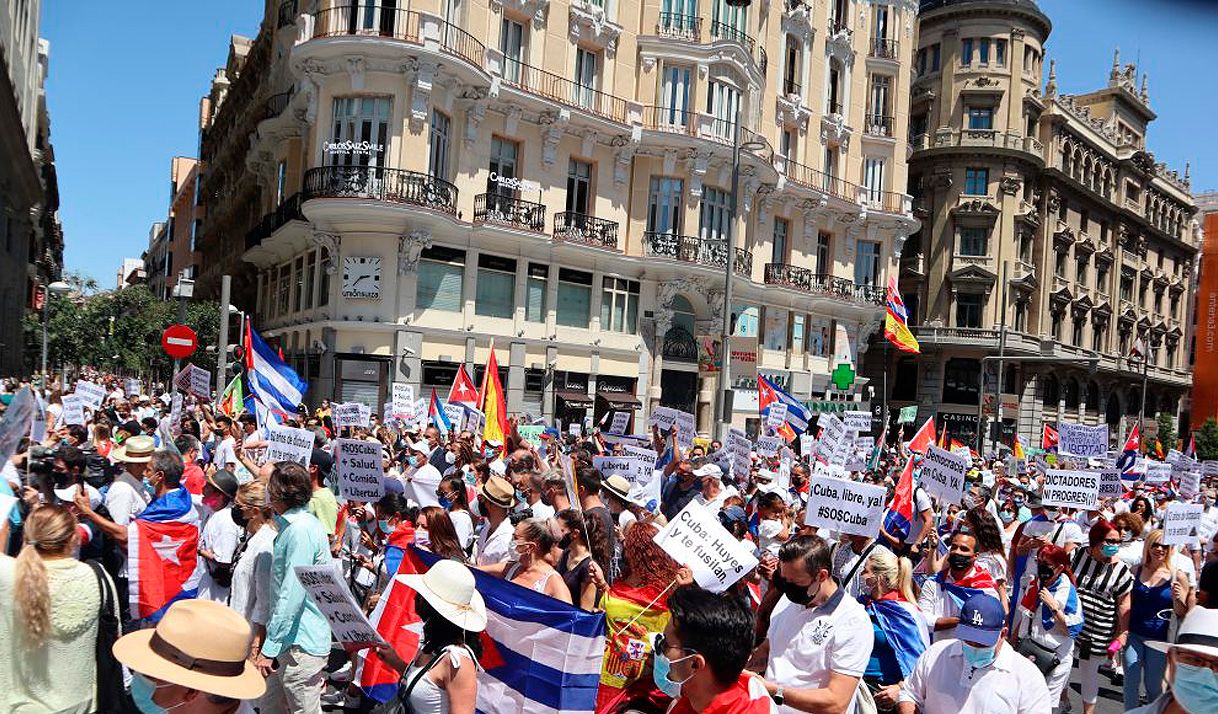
pixel 1043 658
pixel 111 694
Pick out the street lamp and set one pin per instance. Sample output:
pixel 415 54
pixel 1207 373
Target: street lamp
pixel 722 410
pixel 56 288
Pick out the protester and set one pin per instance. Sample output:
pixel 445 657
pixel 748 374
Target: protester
pixel 434 532
pixel 452 496
pixel 1104 584
pixel 1192 672
pixel 496 498
pixel 943 594
pixel 527 566
pixel 900 634
pixel 1160 593
pixel 575 564
pixel 250 594
pixel 1049 618
pixel 220 537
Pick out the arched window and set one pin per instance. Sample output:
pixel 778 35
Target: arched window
pixel 1050 392
pixel 1071 393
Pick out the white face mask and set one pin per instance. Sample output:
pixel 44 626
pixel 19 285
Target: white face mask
pixel 450 458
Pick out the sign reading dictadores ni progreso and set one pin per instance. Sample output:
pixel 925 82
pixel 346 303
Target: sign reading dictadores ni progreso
pixel 1072 489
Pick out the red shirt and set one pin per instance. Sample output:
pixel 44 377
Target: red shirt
pixel 741 698
pixel 193 479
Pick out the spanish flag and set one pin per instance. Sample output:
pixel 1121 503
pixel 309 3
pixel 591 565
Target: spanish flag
pixel 896 327
pixel 492 402
pixel 1019 452
pixel 1159 449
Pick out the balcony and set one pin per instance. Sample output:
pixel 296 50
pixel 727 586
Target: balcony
pixel 675 121
pixel 289 210
pixel 985 139
pixel 508 211
pixel 791 88
pixel 275 104
pixel 820 181
pixel 581 228
pixel 878 125
pixel 692 249
pixel 393 23
pixel 723 31
pixel 381 184
pixel 882 48
pixel 535 80
pixel 887 201
pixel 682 27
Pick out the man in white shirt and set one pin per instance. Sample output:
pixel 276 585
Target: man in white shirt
pixel 220 536
pixel 127 497
pixel 713 492
pixel 225 456
pixel 942 595
pixel 977 673
pixel 496 498
pixel 819 639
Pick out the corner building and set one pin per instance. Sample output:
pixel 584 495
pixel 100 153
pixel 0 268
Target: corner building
pixel 558 177
pixel 1059 196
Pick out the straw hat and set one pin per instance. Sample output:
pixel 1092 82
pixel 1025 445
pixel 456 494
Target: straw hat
pixel 499 491
pixel 449 587
pixel 174 652
pixel 620 487
pixel 135 450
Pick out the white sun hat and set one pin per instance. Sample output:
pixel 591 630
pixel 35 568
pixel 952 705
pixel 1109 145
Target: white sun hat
pixel 449 587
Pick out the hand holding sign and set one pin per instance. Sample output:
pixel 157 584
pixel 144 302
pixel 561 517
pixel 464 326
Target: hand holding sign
pixel 696 538
pixel 325 586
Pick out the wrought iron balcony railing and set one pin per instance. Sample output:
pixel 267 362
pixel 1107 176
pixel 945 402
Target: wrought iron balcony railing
pixel 289 210
pixel 675 24
pixel 692 249
pixel 560 89
pixel 507 210
pixel 883 48
pixel 581 228
pixel 381 184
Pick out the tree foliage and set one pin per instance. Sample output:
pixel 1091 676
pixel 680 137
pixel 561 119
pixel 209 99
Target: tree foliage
pixel 1167 430
pixel 1207 440
pixel 118 330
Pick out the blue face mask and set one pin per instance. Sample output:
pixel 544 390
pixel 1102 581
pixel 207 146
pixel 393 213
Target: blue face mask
pixel 978 657
pixel 660 672
pixel 384 526
pixel 142 690
pixel 1110 550
pixel 445 503
pixel 1195 688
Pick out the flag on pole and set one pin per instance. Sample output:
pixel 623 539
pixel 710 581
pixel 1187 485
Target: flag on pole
pixel 1048 439
pixel 1020 454
pixel 1192 445
pixel 943 437
pixel 162 555
pixel 924 437
pixel 1129 454
pixel 436 413
pixel 896 321
pixel 492 402
pixel 1159 449
pixel 899 518
pixel 463 390
pixel 270 378
pixel 798 415
pixel 233 398
pixel 1138 349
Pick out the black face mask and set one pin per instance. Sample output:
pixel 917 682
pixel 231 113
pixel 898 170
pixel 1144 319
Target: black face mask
pixel 960 561
pixel 1044 573
pixel 797 594
pixel 239 517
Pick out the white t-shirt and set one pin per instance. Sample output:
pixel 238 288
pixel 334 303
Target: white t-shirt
pixel 125 499
pixel 225 457
pixel 221 535
pixel 1184 564
pixel 941 683
pixel 250 594
pixel 494 547
pixel 767 535
pixel 463 524
pixel 808 644
pixel 922 503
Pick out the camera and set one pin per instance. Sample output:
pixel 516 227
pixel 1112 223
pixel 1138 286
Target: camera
pixel 41 461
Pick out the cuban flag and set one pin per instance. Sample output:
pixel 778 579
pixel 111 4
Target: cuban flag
pixel 904 627
pixel 899 517
pixel 1049 439
pixel 1065 594
pixel 797 414
pixel 162 555
pixel 395 619
pixel 977 581
pixel 1128 459
pixel 924 437
pixel 539 655
pixel 270 379
pixel 463 390
pixel 436 413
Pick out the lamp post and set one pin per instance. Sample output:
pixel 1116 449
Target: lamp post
pixel 721 409
pixel 56 288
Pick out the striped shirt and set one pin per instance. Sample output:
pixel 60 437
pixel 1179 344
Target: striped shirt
pixel 1100 588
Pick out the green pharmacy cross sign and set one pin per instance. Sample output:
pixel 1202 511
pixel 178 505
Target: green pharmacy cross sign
pixel 842 376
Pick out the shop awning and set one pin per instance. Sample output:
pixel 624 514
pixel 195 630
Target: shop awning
pixel 620 400
pixel 573 398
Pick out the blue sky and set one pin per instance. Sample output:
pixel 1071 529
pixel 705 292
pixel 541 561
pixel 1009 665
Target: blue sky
pixel 126 78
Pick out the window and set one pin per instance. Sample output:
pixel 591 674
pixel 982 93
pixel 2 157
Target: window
pixel 977 181
pixel 934 57
pixel 917 124
pixel 664 208
pixel 798 330
pixel 535 292
pixel 867 263
pixel 504 153
pixel 281 182
pixel 1174 304
pixel 1101 277
pixel 873 178
pixel 966 52
pixel 723 103
pixel 323 279
pixel 881 95
pixel 285 286
pixel 974 241
pixel 586 77
pixel 1097 336
pixel 981 117
pixel 778 254
pixel 675 98
pixel 619 305
pixel 298 284
pixel 775 325
pixel 1158 301
pixel 968 309
pixel 511 44
pixel 824 259
pixel 833 102
pixel 360 132
pixel 579 186
pixel 1126 287
pixel 714 221
pixel 1079 323
pixel 983 51
pixel 310 270
pixel 791 73
pixel 788 143
pixel 196 230
pixel 441 279
pixel 920 61
pixel 1021 316
pixel 1080 270
pixel 879 21
pixel 732 16
pixel 961 381
pixel 574 307
pixel 830 170
pixel 1060 258
pixel 1025 247
pixel 905 386
pixel 496 288
pixel 437 161
pixel 1000 53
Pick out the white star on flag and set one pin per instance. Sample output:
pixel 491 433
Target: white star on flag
pixel 167 548
pixel 415 627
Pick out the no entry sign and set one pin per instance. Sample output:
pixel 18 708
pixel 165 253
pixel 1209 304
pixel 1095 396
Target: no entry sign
pixel 179 341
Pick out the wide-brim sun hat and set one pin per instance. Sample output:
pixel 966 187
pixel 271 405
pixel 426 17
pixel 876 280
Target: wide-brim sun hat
pixel 1198 633
pixel 175 652
pixel 620 487
pixel 449 587
pixel 135 450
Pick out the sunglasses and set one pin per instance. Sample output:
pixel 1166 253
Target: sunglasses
pixel 663 645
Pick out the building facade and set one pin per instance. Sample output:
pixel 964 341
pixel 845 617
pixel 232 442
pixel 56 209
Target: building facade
pixel 1050 236
pixel 31 240
pixel 1203 355
pixel 173 244
pixel 557 177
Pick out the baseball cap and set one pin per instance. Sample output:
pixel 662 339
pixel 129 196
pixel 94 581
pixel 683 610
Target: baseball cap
pixel 732 514
pixel 981 620
pixel 323 460
pixel 711 470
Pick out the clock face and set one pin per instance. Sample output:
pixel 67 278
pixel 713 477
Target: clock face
pixel 362 277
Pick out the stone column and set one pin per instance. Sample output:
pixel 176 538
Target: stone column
pixel 515 381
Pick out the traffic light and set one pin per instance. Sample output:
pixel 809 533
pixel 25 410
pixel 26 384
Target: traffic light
pixel 235 364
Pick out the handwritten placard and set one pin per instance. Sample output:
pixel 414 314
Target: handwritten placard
pixel 1071 489
pixel 1181 523
pixel 324 584
pixel 91 395
pixel 1080 440
pixel 942 474
pixel 347 415
pixel 402 400
pixel 360 469
pixel 286 443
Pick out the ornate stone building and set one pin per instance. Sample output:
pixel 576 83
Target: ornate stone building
pixel 1044 214
pixel 557 177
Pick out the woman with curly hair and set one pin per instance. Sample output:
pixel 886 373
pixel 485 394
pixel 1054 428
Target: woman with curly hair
pixel 48 632
pixel 991 553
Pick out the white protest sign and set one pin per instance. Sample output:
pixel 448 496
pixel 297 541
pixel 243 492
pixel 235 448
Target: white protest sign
pixel 1173 455
pixel 365 415
pixel 942 474
pixel 91 395
pixel 347 414
pixel 1072 489
pixel 834 439
pixel 1158 472
pixel 575 428
pixel 845 506
pixel 455 411
pixel 73 410
pixel 360 469
pixel 806 444
pixel 1190 485
pixel 324 583
pixel 963 451
pixel 645 483
pixel 1181 523
pixel 286 443
pixel 858 421
pixel 696 538
pixel 665 417
pixel 769 445
pixel 402 400
pixel 623 466
pixel 776 415
pixel 200 382
pixel 738 442
pixel 1209 468
pixel 621 421
pixel 422 484
pixel 1079 440
pixel 1110 483
pixel 864 445
pixel 421 406
pixel 175 413
pixel 131 387
pixel 820 468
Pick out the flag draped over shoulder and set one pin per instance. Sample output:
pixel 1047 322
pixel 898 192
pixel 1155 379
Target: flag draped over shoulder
pixel 896 321
pixel 270 378
pixel 977 581
pixel 395 619
pixel 903 626
pixel 162 555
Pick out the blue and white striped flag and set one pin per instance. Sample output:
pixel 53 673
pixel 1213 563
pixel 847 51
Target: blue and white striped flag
pixel 270 379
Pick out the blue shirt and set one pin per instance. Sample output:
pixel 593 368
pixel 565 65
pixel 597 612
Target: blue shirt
pixel 295 620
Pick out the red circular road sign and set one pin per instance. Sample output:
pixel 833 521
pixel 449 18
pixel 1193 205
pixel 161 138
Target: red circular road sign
pixel 179 341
